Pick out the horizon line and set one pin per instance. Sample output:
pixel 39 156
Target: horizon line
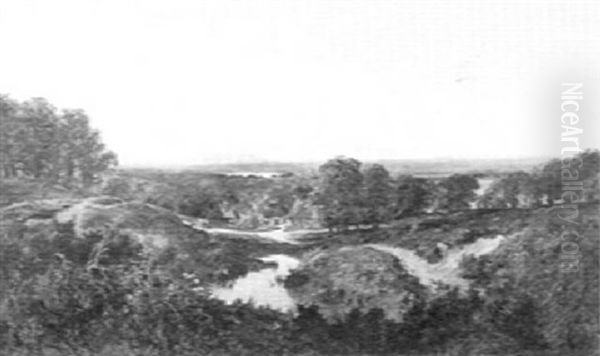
pixel 317 162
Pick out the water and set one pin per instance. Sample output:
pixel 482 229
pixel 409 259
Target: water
pixel 262 288
pixel 255 174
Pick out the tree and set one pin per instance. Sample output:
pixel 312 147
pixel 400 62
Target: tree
pixel 583 167
pixel 340 192
pixel 39 141
pixel 456 192
pixel 413 195
pixel 590 164
pixel 514 190
pixel 550 180
pixel 118 187
pixel 201 204
pixel 43 145
pixel 9 127
pixel 279 202
pixel 589 172
pixel 303 191
pixel 84 153
pixel 377 195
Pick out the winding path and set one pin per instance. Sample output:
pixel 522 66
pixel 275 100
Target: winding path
pixel 448 269
pixel 278 235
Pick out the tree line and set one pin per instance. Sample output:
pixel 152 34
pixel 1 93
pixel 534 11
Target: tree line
pixel 37 140
pixel 544 185
pixel 350 194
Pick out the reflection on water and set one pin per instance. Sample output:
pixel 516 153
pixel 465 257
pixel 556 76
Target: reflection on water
pixel 261 287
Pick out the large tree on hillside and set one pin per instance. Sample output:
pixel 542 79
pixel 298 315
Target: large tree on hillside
pixel 340 192
pixel 456 192
pixel 413 195
pixel 378 191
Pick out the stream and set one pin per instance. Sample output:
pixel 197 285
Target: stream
pixel 265 287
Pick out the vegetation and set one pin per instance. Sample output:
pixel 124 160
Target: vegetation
pixel 350 197
pixel 456 192
pixel 378 195
pixel 356 279
pixel 545 186
pixel 39 141
pixel 414 195
pixel 340 192
pixel 65 296
pixel 121 274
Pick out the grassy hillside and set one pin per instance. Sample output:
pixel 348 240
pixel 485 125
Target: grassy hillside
pixel 519 302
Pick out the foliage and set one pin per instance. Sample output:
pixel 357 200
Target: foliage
pixel 98 291
pixel 545 186
pixel 413 194
pixel 340 192
pixel 118 187
pixel 16 190
pixel 378 195
pixel 456 192
pixel 64 295
pixel 303 191
pixel 354 278
pixel 530 298
pixel 278 203
pixel 512 191
pixel 37 140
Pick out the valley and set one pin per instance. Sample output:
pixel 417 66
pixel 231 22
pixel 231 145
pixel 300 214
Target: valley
pixel 342 257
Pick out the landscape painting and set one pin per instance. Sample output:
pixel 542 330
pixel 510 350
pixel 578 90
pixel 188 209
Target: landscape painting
pixel 221 177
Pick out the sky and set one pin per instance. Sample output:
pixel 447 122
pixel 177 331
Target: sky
pixel 184 82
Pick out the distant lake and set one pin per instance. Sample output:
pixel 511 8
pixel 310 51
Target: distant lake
pixel 254 174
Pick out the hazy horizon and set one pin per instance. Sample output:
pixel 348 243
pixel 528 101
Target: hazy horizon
pixel 201 82
pixel 279 165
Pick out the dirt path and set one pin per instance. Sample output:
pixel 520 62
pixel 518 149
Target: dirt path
pixel 448 269
pixel 278 235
